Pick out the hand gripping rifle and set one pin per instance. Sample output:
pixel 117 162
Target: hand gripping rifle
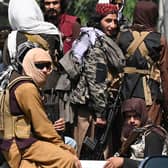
pixel 97 147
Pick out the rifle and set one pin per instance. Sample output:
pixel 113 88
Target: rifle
pixel 133 136
pixel 52 106
pixel 130 140
pixel 97 147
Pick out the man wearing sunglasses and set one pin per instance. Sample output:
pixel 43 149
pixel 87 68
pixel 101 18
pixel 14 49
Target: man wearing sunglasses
pixel 39 145
pixel 37 66
pixel 42 65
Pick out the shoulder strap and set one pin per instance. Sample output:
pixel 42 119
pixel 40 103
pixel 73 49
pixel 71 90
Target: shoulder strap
pixel 138 39
pixel 138 42
pixel 37 39
pixel 20 78
pixel 129 141
pixel 160 130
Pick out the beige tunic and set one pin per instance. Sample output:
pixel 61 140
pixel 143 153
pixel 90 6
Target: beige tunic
pixel 49 151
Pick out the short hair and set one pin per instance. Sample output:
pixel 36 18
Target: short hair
pixel 62 2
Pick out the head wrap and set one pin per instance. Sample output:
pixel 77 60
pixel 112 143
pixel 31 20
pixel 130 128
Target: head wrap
pixel 104 7
pixel 26 16
pixel 32 56
pixel 136 105
pixel 145 14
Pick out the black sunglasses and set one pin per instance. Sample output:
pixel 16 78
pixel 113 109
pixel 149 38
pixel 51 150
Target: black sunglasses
pixel 41 65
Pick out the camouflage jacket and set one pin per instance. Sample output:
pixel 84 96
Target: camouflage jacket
pixel 92 85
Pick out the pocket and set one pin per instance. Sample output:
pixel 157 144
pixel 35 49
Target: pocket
pixel 22 128
pixel 101 72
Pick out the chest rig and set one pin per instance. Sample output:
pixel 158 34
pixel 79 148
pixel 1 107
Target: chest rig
pixel 152 72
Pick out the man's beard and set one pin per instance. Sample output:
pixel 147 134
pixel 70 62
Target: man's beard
pixel 114 33
pixel 51 16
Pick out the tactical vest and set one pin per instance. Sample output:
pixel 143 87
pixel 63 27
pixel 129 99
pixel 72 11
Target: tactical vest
pixel 151 73
pixel 12 126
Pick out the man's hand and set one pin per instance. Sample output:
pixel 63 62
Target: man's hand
pixel 59 125
pixel 100 122
pixel 77 163
pixel 114 162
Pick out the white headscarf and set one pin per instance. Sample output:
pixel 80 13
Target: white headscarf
pixel 26 15
pixel 80 46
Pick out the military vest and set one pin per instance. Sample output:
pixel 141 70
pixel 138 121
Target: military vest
pixel 142 75
pixel 12 126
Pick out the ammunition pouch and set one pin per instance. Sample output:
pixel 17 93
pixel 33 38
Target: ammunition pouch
pixel 15 126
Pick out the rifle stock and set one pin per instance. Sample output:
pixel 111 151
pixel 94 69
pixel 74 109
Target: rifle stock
pixel 130 140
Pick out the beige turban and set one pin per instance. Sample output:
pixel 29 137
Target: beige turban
pixel 33 56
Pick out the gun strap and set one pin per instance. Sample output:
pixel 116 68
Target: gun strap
pixel 138 43
pixel 130 140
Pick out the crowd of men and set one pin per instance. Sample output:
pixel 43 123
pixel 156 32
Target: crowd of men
pixel 95 92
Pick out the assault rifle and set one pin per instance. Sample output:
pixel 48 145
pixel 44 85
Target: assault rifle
pixel 135 133
pixel 97 147
pixel 130 140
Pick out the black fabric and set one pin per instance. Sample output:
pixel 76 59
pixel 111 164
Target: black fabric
pixel 51 102
pixel 54 45
pixel 53 41
pixel 153 144
pixel 129 163
pixel 101 72
pixel 2 160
